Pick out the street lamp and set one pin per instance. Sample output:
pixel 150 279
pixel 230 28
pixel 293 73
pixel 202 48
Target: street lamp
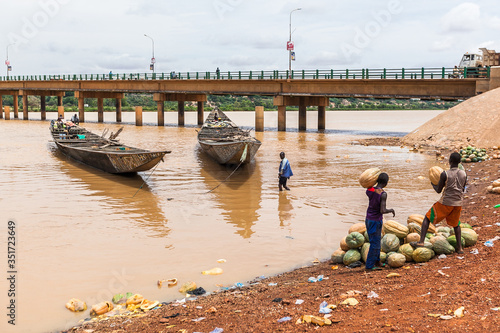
pixel 153 60
pixel 7 62
pixel 289 46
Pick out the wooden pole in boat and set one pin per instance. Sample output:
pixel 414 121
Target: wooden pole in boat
pixel 43 110
pixel 138 116
pixel 200 113
pixel 259 119
pixel 321 117
pixel 7 113
pixel 118 105
pixel 25 106
pixel 60 111
pixel 16 106
pixel 1 106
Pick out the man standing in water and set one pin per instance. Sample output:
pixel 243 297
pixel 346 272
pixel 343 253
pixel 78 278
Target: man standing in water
pixel 285 172
pixel 449 206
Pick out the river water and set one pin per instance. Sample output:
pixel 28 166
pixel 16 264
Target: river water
pixel 87 234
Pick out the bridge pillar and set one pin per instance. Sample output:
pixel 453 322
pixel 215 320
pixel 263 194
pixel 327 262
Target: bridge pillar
pixel 1 107
pixel 81 109
pixel 60 111
pixel 200 113
pixel 118 105
pixel 321 117
pixel 7 113
pixel 259 119
pixel 100 109
pixel 282 118
pixel 16 106
pixel 160 106
pixel 25 107
pixel 302 115
pixel 138 116
pixel 180 117
pixel 43 110
pixel 59 101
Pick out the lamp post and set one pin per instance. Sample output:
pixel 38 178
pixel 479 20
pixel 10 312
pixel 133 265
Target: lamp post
pixel 7 62
pixel 289 42
pixel 153 60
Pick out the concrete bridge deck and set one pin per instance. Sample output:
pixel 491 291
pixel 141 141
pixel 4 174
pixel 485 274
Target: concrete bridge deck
pixel 311 88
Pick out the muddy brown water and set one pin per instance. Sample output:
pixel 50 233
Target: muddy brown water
pixel 82 233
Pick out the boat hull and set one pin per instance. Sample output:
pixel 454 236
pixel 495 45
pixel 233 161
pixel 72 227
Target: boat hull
pixel 230 152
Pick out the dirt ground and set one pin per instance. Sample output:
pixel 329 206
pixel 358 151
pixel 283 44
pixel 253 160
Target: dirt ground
pixel 411 302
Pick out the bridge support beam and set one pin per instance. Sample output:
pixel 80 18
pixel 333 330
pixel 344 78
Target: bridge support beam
pixel 43 111
pixel 321 117
pixel 180 115
pixel 201 115
pixel 138 116
pixel 118 106
pixel 1 107
pixel 25 107
pixel 259 119
pixel 16 106
pixel 60 111
pixel 7 113
pixel 160 106
pixel 81 109
pixel 60 100
pixel 100 110
pixel 302 102
pixel 282 118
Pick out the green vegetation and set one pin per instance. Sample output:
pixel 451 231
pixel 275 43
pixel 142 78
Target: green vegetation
pixel 232 103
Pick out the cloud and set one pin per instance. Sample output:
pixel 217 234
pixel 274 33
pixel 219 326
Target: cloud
pixel 442 45
pixel 463 18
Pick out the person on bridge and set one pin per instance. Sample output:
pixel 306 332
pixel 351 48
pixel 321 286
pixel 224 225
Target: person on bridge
pixel 217 72
pixel 285 172
pixel 374 219
pixel 449 207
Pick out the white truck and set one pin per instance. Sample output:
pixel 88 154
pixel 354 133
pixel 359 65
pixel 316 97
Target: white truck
pixel 476 65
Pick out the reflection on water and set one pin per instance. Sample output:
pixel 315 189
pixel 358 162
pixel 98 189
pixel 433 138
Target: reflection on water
pixel 245 181
pixel 83 233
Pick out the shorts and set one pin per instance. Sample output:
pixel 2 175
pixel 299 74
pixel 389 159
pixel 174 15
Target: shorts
pixel 439 212
pixel 282 180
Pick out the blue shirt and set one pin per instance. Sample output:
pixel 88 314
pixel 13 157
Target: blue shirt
pixel 285 169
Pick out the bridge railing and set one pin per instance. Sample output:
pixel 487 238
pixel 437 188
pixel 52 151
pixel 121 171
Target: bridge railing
pixel 347 74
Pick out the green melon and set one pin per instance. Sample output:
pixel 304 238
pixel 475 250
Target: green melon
pixel 446 230
pixel 354 240
pixel 453 241
pixel 396 260
pixel 422 254
pixel 351 256
pixel 414 228
pixel 469 236
pixel 441 246
pixel 383 257
pixel 465 225
pixel 407 251
pixel 367 239
pixel 390 243
pixel 338 256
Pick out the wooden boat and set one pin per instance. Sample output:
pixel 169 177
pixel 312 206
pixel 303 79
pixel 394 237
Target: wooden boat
pixel 101 153
pixel 225 142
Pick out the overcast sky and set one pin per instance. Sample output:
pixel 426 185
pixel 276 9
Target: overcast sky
pixel 90 36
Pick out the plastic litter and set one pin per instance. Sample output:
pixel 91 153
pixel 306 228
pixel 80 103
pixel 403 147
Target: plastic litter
pixel 272 284
pixel 217 330
pixel 323 308
pixel 459 312
pixel 198 319
pixel 213 271
pixel 197 292
pixel 220 261
pixel 355 264
pixel 489 244
pixel 277 300
pixel 496 206
pixel 282 320
pixel 76 305
pixel 495 309
pixel 446 317
pixel 299 301
pixel 170 282
pixel 474 251
pixel 239 285
pixel 392 275
pixel 350 301
pixel 372 294
pixel 442 256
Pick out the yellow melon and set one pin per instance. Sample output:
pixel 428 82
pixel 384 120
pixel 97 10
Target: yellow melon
pixel 358 227
pixel 343 244
pixel 369 177
pixel 434 174
pixel 418 219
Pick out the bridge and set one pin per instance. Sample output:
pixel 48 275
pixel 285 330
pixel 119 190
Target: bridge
pixel 296 88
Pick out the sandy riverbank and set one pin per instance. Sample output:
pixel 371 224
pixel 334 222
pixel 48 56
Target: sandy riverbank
pixel 403 304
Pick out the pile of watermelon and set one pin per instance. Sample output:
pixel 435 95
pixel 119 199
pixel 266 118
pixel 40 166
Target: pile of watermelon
pixel 396 250
pixel 473 154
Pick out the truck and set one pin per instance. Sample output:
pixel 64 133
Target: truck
pixel 477 65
